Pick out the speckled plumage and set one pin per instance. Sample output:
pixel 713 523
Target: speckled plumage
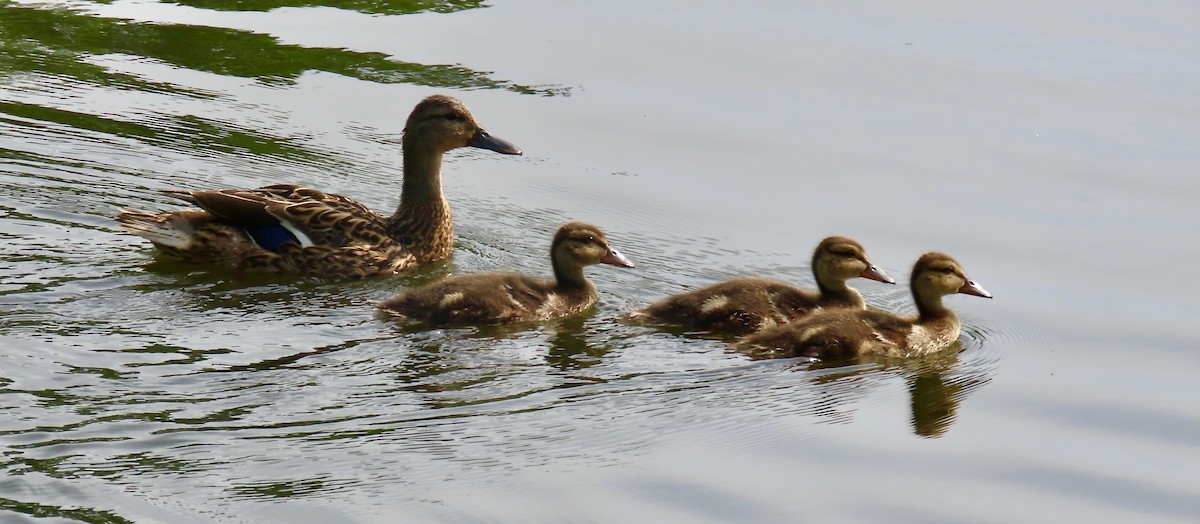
pixel 335 235
pixel 840 334
pixel 750 304
pixel 495 298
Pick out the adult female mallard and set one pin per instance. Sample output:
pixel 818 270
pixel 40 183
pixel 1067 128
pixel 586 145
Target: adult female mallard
pixel 288 228
pixel 494 298
pixel 839 334
pixel 751 304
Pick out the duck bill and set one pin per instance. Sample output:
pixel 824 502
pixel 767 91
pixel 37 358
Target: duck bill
pixel 615 258
pixel 874 273
pixel 973 288
pixel 485 140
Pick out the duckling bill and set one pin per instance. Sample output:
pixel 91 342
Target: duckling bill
pixel 842 334
pixel 496 298
pixel 751 304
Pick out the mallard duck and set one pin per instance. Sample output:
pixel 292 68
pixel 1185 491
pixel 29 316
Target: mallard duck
pixel 751 304
pixel 495 298
pixel 288 228
pixel 838 334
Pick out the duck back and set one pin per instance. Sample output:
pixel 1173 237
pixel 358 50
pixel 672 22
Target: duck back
pixel 488 298
pixel 741 305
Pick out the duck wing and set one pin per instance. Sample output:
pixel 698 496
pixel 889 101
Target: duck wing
pixel 831 334
pixel 886 329
pixel 475 298
pixel 313 217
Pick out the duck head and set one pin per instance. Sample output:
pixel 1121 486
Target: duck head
pixel 442 123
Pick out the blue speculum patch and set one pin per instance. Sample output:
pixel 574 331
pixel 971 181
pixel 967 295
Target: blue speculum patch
pixel 271 238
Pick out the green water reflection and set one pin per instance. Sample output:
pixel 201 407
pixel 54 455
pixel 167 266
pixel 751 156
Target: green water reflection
pixel 167 131
pixel 48 52
pixel 47 511
pixel 56 40
pixel 393 7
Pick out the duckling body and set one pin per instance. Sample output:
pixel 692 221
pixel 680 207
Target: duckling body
pixel 289 228
pixel 840 334
pixel 495 298
pixel 751 304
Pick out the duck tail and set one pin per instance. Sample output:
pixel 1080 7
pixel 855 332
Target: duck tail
pixel 170 229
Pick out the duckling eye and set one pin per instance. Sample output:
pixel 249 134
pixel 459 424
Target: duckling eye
pixel 453 117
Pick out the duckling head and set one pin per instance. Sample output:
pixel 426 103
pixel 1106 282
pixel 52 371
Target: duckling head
pixel 580 244
pixel 838 259
pixel 938 274
pixel 443 123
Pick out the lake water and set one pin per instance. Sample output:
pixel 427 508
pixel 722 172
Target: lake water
pixel 1052 148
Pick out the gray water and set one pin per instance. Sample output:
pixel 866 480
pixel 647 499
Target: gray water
pixel 1051 148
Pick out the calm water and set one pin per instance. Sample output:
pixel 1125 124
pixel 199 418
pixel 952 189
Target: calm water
pixel 1053 149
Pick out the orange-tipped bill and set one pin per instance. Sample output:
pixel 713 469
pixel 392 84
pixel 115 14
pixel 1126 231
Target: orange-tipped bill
pixel 973 288
pixel 874 273
pixel 615 258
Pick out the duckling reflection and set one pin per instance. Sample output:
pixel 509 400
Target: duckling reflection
pixel 936 384
pixel 934 403
pixel 570 347
pixel 568 344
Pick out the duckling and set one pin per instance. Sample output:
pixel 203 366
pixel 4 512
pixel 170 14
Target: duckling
pixel 840 334
pixel 495 298
pixel 289 228
pixel 751 304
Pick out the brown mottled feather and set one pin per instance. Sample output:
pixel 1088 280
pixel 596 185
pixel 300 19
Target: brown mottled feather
pixel 347 238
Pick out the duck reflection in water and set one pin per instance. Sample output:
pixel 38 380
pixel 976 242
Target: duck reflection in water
pixel 477 363
pixel 936 385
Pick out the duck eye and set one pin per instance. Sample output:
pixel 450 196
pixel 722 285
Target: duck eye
pixel 453 117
